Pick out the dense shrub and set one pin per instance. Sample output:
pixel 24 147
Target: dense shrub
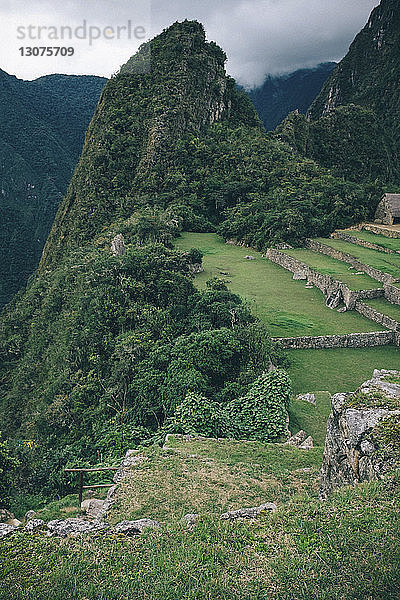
pixel 262 413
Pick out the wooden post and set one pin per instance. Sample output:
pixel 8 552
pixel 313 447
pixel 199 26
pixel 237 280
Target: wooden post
pixel 80 487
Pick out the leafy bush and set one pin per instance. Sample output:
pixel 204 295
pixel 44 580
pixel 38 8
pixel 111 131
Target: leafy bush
pixel 8 464
pixel 262 413
pixel 197 415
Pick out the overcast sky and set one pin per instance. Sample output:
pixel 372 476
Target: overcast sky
pixel 259 36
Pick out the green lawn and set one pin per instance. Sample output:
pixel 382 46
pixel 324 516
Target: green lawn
pixel 338 370
pixel 285 305
pixel 212 477
pixel 346 548
pixel 387 263
pixel 312 419
pixel 335 268
pixel 375 238
pixel 385 307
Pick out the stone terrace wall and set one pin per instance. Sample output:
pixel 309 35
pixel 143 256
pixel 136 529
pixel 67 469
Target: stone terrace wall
pixel 378 317
pixel 340 235
pixel 391 233
pixel 392 293
pixel 351 340
pixel 349 259
pixel 325 283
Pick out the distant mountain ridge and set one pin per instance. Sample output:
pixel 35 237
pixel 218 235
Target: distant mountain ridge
pixel 353 126
pixel 42 129
pixel 281 94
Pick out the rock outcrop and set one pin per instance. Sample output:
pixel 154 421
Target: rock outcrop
pixel 353 450
pixel 136 527
pixel 74 527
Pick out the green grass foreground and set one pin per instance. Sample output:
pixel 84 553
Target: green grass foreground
pixel 286 306
pixel 212 477
pixel 344 549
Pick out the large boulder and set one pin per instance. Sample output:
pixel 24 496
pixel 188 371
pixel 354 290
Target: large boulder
pixel 136 527
pixel 249 513
pixel 92 507
pixel 34 525
pixel 74 527
pixel 351 455
pixel 6 530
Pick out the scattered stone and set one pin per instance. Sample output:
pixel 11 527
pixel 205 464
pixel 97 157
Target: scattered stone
pixel 136 527
pixel 14 522
pixel 299 276
pixel 118 245
pixel 34 525
pixel 6 530
pixel 6 515
pixel 359 273
pixel 307 444
pixel 190 520
pixel 92 507
pixel 131 459
pixel 343 309
pixel 196 268
pixel 249 257
pixel 249 513
pixel 297 440
pixel 309 286
pixel 74 527
pixel 308 398
pixel 29 515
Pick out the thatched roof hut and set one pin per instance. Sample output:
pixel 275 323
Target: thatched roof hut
pixel 388 211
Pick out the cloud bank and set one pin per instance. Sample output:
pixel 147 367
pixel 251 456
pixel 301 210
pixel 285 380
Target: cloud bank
pixel 259 36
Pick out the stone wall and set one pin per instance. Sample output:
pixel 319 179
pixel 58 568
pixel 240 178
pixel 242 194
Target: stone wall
pixel 349 259
pixel 377 317
pixel 386 231
pixel 392 293
pixel 340 235
pixel 350 340
pixel 327 284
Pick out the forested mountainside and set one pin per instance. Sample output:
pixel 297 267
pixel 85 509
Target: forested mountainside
pixel 353 126
pixel 281 94
pixel 42 129
pixel 105 348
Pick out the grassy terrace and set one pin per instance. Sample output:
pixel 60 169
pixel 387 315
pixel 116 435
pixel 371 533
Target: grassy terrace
pixel 210 477
pixel 335 268
pixel 285 305
pixel 385 307
pixel 375 238
pixel 346 548
pixel 387 263
pixel 338 370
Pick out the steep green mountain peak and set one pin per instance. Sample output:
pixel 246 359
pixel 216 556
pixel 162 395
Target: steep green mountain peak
pixel 174 86
pixel 353 126
pixel 369 75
